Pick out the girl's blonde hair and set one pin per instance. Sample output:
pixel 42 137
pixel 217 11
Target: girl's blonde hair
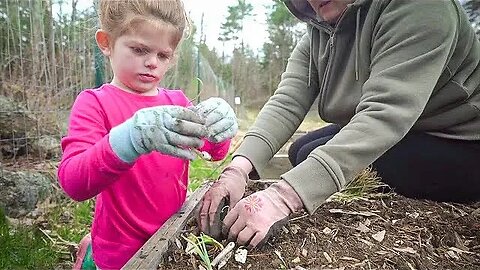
pixel 118 17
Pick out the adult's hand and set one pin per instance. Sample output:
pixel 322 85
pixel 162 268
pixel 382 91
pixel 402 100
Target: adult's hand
pixel 227 190
pixel 255 218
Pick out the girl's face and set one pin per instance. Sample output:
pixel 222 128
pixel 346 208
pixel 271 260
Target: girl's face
pixel 329 10
pixel 140 58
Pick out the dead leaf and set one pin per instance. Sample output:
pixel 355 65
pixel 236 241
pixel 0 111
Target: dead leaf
pixel 411 266
pixel 460 250
pixel 406 250
pixel 329 259
pixel 368 243
pixel 178 243
pixel 314 239
pixel 365 214
pixel 355 213
pixel 349 259
pixel 295 228
pixel 362 228
pixel 304 253
pixel 379 236
pixel 279 255
pixel 452 255
pixel 327 230
pixel 412 215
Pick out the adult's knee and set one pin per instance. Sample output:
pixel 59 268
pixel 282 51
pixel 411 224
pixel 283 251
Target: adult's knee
pixel 293 152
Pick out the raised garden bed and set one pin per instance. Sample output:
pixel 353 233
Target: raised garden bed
pixel 379 232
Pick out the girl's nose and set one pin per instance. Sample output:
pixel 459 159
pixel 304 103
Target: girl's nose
pixel 151 62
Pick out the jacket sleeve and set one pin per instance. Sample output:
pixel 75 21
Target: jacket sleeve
pixel 88 164
pixel 412 43
pixel 284 112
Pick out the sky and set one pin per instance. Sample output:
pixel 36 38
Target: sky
pixel 215 12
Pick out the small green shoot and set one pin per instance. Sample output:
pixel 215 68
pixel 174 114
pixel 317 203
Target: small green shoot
pixel 198 245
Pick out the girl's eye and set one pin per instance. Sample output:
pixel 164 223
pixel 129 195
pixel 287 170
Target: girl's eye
pixel 163 56
pixel 140 51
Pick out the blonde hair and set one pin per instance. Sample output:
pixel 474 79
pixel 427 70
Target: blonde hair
pixel 118 17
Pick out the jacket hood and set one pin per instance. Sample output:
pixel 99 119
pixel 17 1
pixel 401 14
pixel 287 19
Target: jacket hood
pixel 302 10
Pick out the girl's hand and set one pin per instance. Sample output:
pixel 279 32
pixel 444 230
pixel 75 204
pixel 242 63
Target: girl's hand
pixel 220 119
pixel 168 129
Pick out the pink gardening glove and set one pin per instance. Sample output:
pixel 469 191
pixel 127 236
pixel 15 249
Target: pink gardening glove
pixel 261 214
pixel 229 188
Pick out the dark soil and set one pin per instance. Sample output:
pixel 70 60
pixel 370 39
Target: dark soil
pixel 418 234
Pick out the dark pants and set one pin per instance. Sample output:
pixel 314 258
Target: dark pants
pixel 419 166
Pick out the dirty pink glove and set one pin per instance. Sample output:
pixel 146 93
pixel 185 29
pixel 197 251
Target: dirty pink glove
pixel 261 214
pixel 229 188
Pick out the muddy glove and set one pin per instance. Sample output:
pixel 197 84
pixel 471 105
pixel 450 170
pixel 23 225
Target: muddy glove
pixel 168 129
pixel 229 188
pixel 261 214
pixel 220 119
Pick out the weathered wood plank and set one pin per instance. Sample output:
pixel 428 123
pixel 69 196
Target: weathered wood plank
pixel 152 252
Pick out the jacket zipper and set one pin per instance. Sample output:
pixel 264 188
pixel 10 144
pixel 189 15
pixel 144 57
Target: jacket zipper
pixel 326 74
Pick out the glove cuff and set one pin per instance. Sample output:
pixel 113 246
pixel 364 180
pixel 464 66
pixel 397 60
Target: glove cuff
pixel 233 171
pixel 121 142
pixel 286 194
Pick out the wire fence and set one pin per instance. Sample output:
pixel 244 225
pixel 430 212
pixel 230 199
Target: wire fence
pixel 48 55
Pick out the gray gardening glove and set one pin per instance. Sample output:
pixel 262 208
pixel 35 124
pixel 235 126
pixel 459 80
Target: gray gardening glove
pixel 220 119
pixel 168 129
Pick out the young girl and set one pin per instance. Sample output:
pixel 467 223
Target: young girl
pixel 129 142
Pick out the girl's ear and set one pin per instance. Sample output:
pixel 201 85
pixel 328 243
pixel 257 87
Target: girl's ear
pixel 103 42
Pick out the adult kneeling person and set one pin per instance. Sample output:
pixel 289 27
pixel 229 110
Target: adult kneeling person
pixel 398 80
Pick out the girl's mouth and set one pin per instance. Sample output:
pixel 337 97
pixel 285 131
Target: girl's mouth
pixel 145 77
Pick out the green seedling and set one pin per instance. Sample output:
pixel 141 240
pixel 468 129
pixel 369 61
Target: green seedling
pixel 366 185
pixel 198 245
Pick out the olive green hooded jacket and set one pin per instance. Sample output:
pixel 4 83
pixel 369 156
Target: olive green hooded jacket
pixel 386 67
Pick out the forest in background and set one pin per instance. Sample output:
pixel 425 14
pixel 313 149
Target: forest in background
pixel 49 54
pixel 47 57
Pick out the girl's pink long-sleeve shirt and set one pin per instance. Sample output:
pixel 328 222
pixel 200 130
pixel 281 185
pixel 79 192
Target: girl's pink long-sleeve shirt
pixel 132 200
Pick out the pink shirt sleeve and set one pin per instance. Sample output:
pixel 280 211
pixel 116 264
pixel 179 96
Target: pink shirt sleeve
pixel 88 163
pixel 218 151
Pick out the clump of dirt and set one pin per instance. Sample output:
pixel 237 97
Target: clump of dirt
pixel 386 232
